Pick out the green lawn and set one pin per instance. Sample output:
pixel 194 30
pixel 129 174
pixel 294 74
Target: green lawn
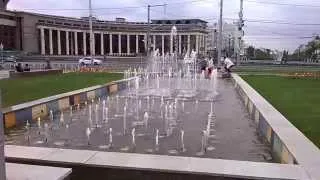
pixel 267 69
pixel 297 99
pixel 16 91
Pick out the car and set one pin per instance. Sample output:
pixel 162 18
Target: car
pixel 89 61
pixel 7 63
pixel 12 59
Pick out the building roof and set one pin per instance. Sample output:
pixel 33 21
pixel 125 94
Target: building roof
pixel 79 19
pixel 178 21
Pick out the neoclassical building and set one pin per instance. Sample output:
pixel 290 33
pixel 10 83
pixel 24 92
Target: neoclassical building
pixel 42 34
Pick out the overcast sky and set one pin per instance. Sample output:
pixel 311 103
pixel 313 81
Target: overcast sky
pixel 268 35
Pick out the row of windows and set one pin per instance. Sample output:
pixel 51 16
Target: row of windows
pixel 8 36
pixel 173 22
pixel 122 28
pixel 77 25
pixel 3 16
pixel 179 22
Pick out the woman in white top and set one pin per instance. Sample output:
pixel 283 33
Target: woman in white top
pixel 228 64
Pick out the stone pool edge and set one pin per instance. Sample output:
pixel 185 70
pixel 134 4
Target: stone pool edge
pixel 19 114
pixel 153 163
pixel 287 142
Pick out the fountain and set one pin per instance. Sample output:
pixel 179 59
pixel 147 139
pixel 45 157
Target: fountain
pixel 51 115
pixel 204 140
pixel 124 120
pixel 88 133
pixel 97 116
pixel 106 114
pixel 110 138
pixel 133 134
pixel 182 106
pixel 167 101
pixel 90 116
pixel 183 149
pixel 71 113
pixel 140 104
pixel 39 123
pixel 39 131
pixel 46 132
pixel 157 140
pixel 103 109
pixel 27 127
pixel 146 119
pixel 148 103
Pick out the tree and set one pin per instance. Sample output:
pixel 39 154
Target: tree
pixel 250 52
pixel 268 51
pixel 307 51
pixel 262 54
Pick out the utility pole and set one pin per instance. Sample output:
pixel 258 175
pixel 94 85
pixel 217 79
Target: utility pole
pixel 165 11
pixel 92 51
pixel 220 34
pixel 148 33
pixel 149 28
pixel 241 31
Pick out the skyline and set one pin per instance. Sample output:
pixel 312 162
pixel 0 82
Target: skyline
pixel 270 24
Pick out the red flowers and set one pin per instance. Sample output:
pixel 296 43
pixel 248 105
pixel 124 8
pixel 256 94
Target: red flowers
pixel 303 75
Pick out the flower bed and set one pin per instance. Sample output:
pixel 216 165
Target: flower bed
pixel 299 75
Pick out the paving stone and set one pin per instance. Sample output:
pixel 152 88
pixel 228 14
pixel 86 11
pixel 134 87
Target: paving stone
pixel 32 172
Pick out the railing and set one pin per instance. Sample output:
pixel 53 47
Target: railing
pixel 74 67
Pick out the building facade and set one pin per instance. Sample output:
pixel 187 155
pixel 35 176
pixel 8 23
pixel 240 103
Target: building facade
pixel 42 34
pixel 232 42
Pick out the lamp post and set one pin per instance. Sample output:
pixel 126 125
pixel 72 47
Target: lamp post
pixel 220 33
pixel 148 43
pixel 92 51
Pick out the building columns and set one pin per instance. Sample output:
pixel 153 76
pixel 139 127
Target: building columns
pixel 59 42
pixel 204 44
pixel 162 45
pixel 180 44
pixel 145 42
pixel 197 43
pixel 93 51
pixel 119 43
pixel 84 43
pixel 200 41
pixel 188 46
pixel 128 44
pixel 43 45
pixel 110 45
pixel 154 42
pixel 67 43
pixel 171 44
pixel 76 43
pixel 50 42
pixel 137 44
pixel 102 43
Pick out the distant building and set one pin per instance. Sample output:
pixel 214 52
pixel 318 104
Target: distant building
pixel 57 35
pixel 212 40
pixel 231 39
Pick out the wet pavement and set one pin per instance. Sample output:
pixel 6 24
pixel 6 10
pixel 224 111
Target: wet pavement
pixel 233 134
